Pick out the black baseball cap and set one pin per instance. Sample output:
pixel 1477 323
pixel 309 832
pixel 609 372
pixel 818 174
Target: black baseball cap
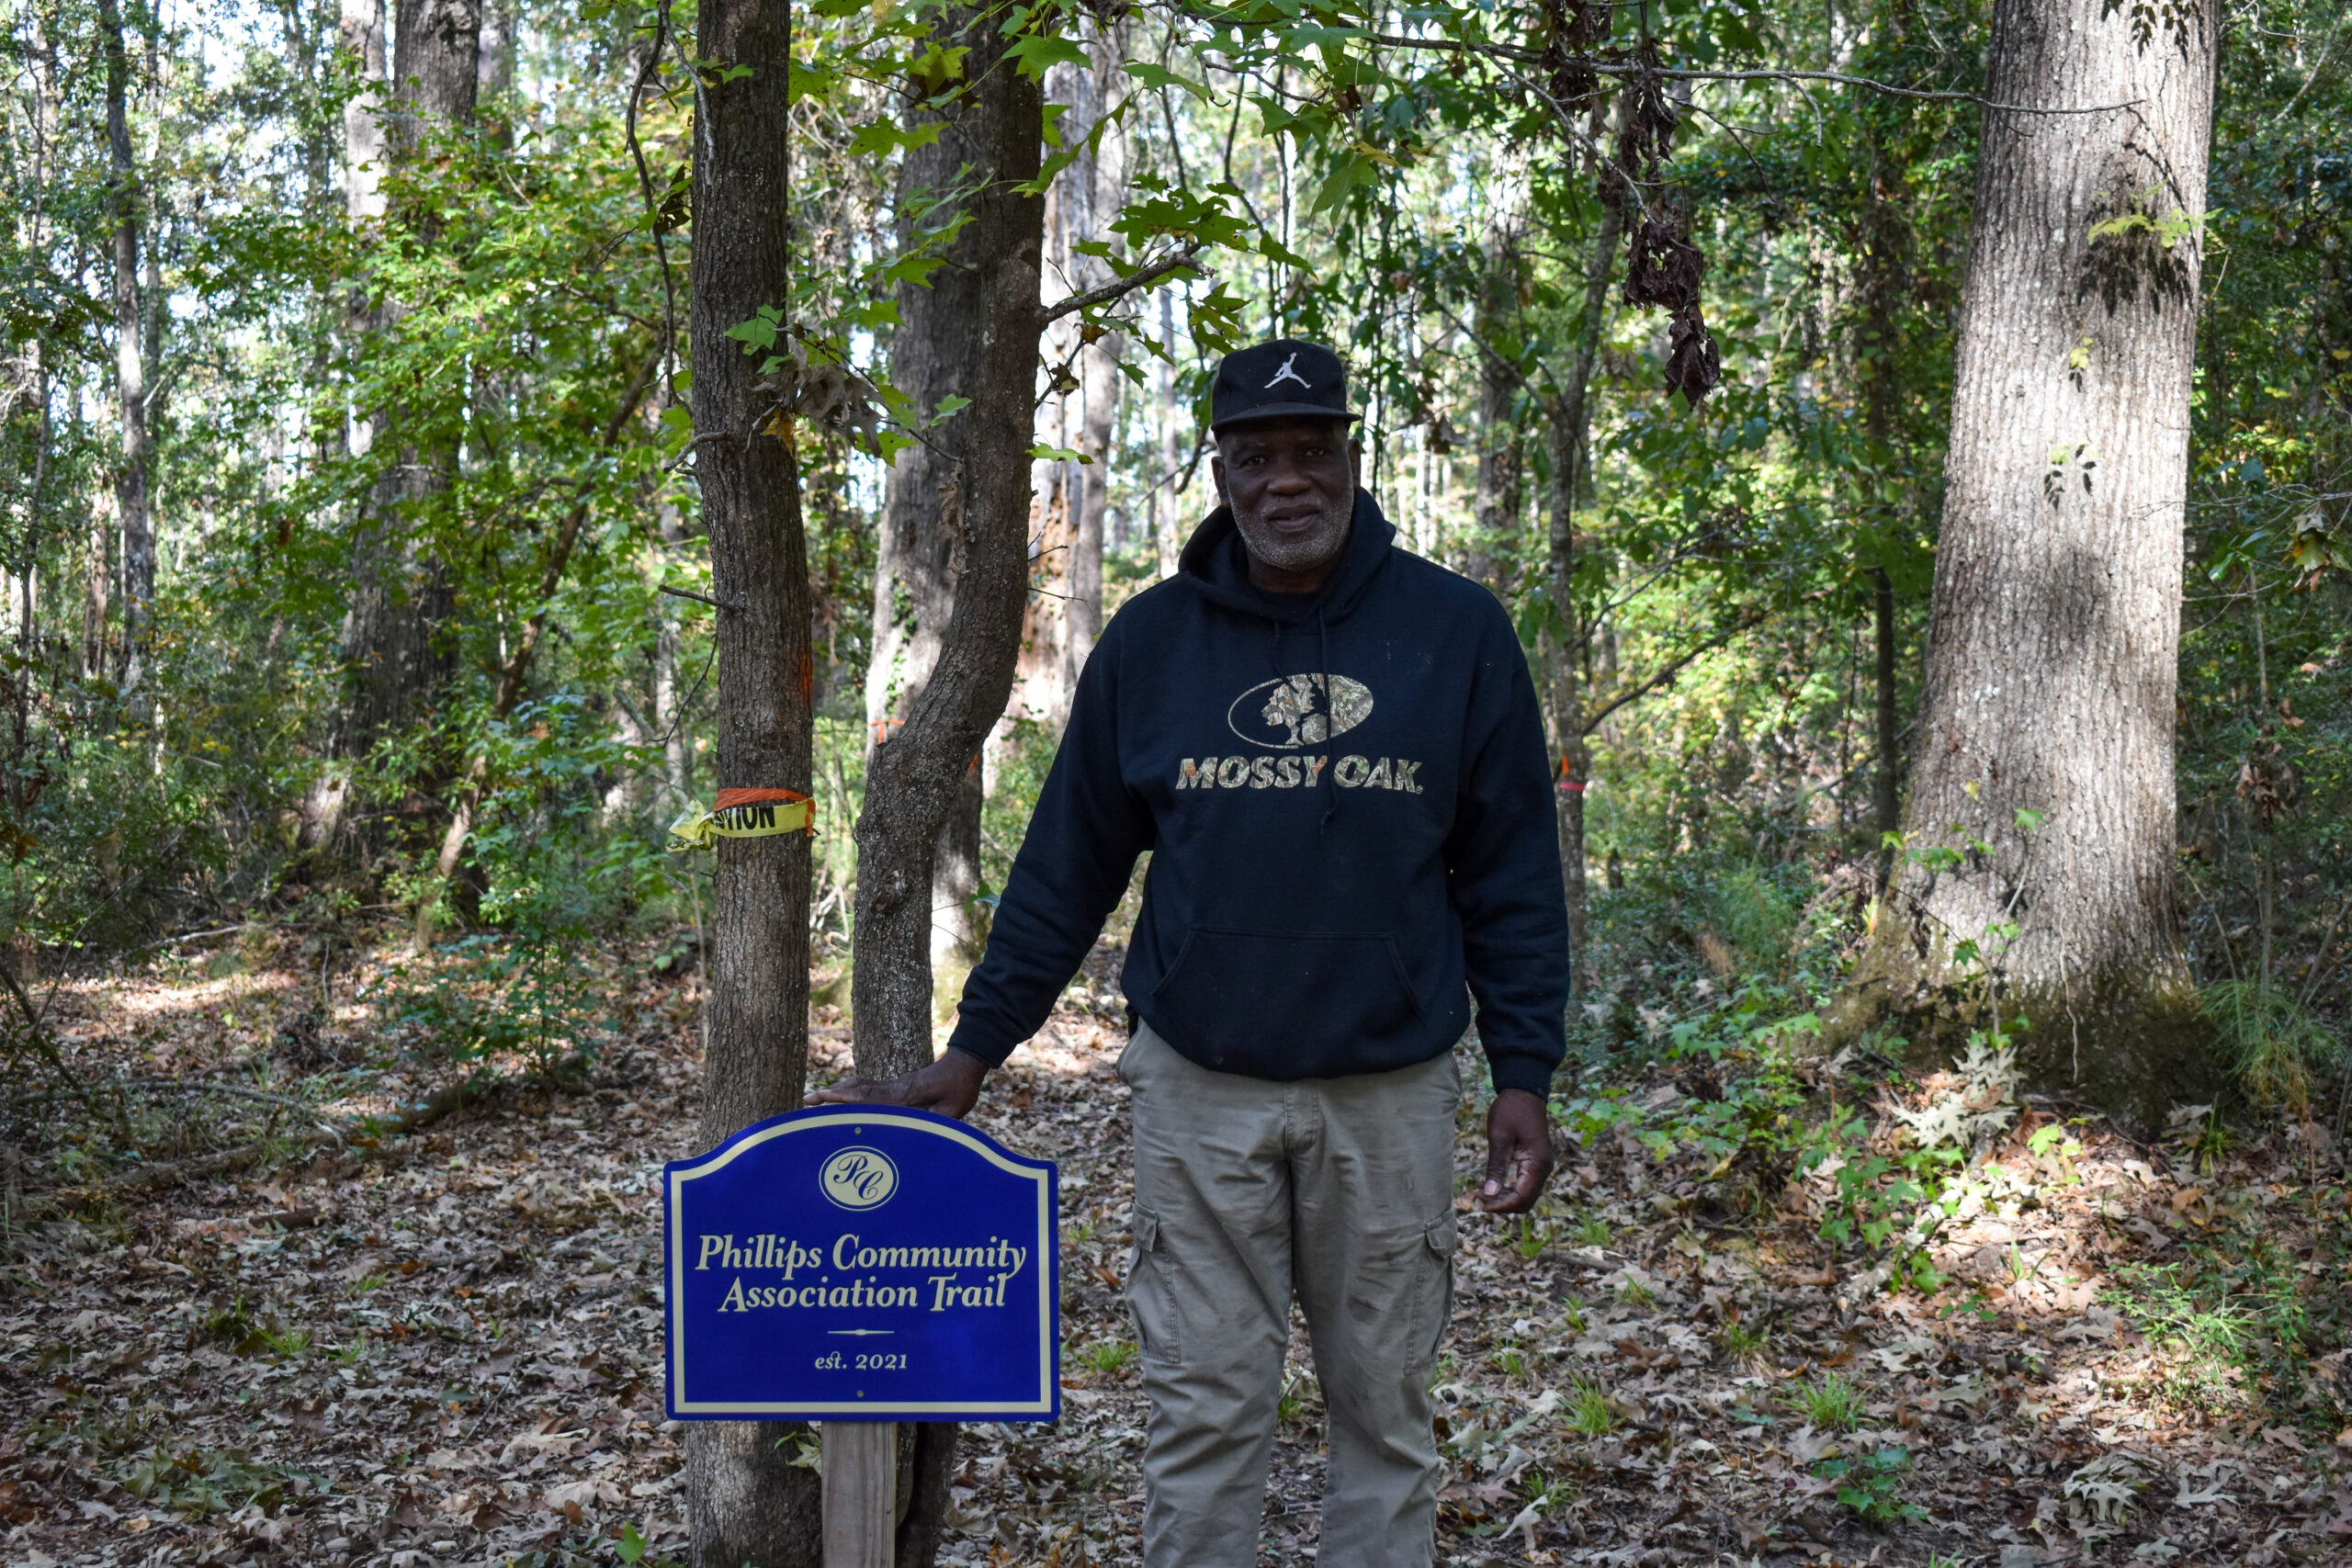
pixel 1283 379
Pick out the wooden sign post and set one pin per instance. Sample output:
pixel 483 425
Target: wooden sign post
pixel 861 1493
pixel 858 1266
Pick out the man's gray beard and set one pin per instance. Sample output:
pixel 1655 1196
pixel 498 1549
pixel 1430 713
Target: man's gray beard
pixel 1300 552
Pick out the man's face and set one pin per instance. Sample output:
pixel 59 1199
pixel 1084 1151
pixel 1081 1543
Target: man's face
pixel 1292 484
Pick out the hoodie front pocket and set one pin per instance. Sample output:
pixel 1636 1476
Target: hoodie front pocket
pixel 1231 987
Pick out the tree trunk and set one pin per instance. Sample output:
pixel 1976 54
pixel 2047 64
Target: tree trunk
pixel 1885 817
pixel 494 68
pixel 1170 526
pixel 747 1502
pixel 943 498
pixel 130 485
pixel 1500 457
pixel 1064 614
pixel 361 37
pixel 1563 633
pixel 2055 619
pixel 956 537
pixel 400 593
pixel 1083 616
pixel 1885 283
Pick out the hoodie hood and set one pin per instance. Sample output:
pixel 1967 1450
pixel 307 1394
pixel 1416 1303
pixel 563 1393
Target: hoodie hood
pixel 1217 562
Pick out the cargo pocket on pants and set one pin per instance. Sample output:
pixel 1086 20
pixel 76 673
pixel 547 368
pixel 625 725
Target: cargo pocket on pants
pixel 1433 1292
pixel 1152 1298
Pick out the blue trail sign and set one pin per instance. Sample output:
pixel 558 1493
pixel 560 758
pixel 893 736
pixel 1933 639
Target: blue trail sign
pixel 862 1263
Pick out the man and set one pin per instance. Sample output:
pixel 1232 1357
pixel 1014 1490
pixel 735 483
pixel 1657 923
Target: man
pixel 1332 751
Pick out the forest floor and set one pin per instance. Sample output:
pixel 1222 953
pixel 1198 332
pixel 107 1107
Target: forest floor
pixel 446 1348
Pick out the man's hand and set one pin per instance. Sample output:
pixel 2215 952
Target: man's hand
pixel 1519 1152
pixel 948 1086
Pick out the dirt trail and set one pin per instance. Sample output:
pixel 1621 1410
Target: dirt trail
pixel 447 1351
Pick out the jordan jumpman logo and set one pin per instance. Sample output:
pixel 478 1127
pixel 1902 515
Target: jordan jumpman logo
pixel 1288 373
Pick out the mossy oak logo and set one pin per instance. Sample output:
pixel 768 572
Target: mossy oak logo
pixel 1299 710
pixel 1293 713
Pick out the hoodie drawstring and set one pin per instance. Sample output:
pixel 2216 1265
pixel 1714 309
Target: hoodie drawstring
pixel 1331 723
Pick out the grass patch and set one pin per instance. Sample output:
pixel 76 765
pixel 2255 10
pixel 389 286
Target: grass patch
pixel 1828 1401
pixel 1589 1412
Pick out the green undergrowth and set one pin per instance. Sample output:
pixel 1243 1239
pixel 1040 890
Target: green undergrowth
pixel 1707 1070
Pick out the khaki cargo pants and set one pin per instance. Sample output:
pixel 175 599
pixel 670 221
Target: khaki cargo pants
pixel 1246 1190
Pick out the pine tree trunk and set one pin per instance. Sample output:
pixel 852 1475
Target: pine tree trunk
pixel 2054 625
pixel 957 528
pixel 748 1503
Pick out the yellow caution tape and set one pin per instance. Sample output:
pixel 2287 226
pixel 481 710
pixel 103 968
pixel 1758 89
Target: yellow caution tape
pixel 744 813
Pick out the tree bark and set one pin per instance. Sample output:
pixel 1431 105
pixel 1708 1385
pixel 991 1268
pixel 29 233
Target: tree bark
pixel 1886 280
pixel 1563 633
pixel 130 485
pixel 1501 458
pixel 943 523
pixel 401 593
pixel 1885 815
pixel 1063 612
pixel 955 538
pixel 361 36
pixel 2055 624
pixel 747 1502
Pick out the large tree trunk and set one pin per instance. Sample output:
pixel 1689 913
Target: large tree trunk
pixel 747 1502
pixel 2055 620
pixel 1564 634
pixel 956 537
pixel 130 485
pixel 940 497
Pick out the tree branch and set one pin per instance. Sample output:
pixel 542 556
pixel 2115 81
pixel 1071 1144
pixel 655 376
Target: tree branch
pixel 1593 720
pixel 1118 287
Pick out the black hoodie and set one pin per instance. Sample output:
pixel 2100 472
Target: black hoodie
pixel 1350 813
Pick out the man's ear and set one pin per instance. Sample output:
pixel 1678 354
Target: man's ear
pixel 1355 461
pixel 1216 473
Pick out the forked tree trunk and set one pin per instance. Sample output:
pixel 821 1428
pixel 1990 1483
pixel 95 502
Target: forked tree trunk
pixel 958 524
pixel 2055 621
pixel 748 1503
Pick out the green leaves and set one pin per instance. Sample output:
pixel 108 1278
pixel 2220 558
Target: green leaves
pixel 1160 79
pixel 1034 54
pixel 760 332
